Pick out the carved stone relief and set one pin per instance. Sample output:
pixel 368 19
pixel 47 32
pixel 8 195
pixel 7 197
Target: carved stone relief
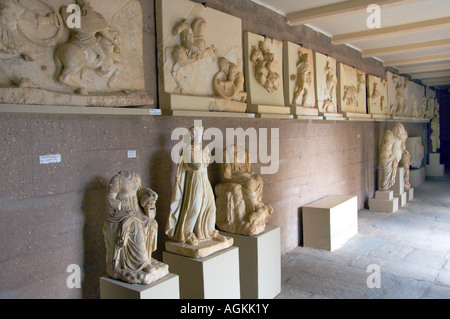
pixel 299 76
pixel 326 83
pixel 199 55
pixel 264 70
pixel 377 96
pixel 398 93
pixel 46 60
pixel 352 90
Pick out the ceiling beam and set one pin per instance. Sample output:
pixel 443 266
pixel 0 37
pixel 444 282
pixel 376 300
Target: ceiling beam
pixel 439 81
pixel 419 59
pixel 425 68
pixel 377 52
pixel 430 75
pixel 373 34
pixel 339 9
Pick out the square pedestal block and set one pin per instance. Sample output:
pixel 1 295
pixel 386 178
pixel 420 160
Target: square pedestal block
pixel 417 176
pixel 410 194
pixel 384 202
pixel 164 288
pixel 212 277
pixel 435 168
pixel 399 186
pixel 402 199
pixel 329 222
pixel 259 263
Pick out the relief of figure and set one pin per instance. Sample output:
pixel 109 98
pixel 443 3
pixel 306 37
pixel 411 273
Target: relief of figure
pixel 228 83
pixel 264 63
pixel 18 26
pixel 192 44
pixel 91 50
pixel 393 154
pixel 360 82
pixel 350 96
pixel 131 230
pixel 303 80
pixel 328 89
pixel 400 106
pixel 240 208
pixel 192 215
pixel 435 135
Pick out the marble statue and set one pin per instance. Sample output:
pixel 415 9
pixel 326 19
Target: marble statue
pixel 239 203
pixel 49 61
pixel 131 230
pixel 228 83
pixel 435 135
pixel 264 62
pixel 393 154
pixel 192 216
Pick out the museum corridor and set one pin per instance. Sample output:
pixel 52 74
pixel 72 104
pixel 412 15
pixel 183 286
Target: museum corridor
pixel 410 248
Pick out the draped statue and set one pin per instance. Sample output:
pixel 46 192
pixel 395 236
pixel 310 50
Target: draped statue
pixel 192 217
pixel 393 154
pixel 131 231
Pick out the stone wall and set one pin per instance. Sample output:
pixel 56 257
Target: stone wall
pixel 52 215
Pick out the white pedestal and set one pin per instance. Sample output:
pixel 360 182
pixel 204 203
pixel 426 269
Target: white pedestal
pixel 328 223
pixel 164 288
pixel 410 194
pixel 402 199
pixel 435 168
pixel 417 176
pixel 259 263
pixel 384 202
pixel 212 277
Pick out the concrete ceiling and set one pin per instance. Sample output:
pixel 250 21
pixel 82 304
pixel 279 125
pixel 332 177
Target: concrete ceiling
pixel 413 37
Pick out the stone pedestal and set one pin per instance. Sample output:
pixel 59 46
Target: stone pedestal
pixel 435 168
pixel 259 263
pixel 399 187
pixel 384 202
pixel 417 176
pixel 212 277
pixel 328 223
pixel 164 288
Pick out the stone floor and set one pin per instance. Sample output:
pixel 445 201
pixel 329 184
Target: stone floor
pixel 411 249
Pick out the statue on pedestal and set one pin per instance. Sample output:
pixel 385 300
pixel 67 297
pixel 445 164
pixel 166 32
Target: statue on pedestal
pixel 393 154
pixel 131 231
pixel 240 208
pixel 192 217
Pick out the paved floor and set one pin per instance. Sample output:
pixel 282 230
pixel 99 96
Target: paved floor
pixel 410 248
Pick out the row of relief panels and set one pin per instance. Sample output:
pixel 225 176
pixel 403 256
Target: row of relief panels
pixel 204 67
pixel 97 60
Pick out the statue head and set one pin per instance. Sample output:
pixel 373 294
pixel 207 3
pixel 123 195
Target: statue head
pixel 400 132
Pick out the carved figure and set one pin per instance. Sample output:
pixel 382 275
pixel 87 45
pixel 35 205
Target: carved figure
pixel 435 135
pixel 192 215
pixel 228 83
pixel 328 89
pixel 131 231
pixel 239 199
pixel 303 80
pixel 393 154
pixel 264 66
pixel 351 96
pixel 18 26
pixel 91 50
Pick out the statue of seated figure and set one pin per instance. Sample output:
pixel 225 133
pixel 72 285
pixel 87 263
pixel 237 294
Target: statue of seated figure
pixel 239 203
